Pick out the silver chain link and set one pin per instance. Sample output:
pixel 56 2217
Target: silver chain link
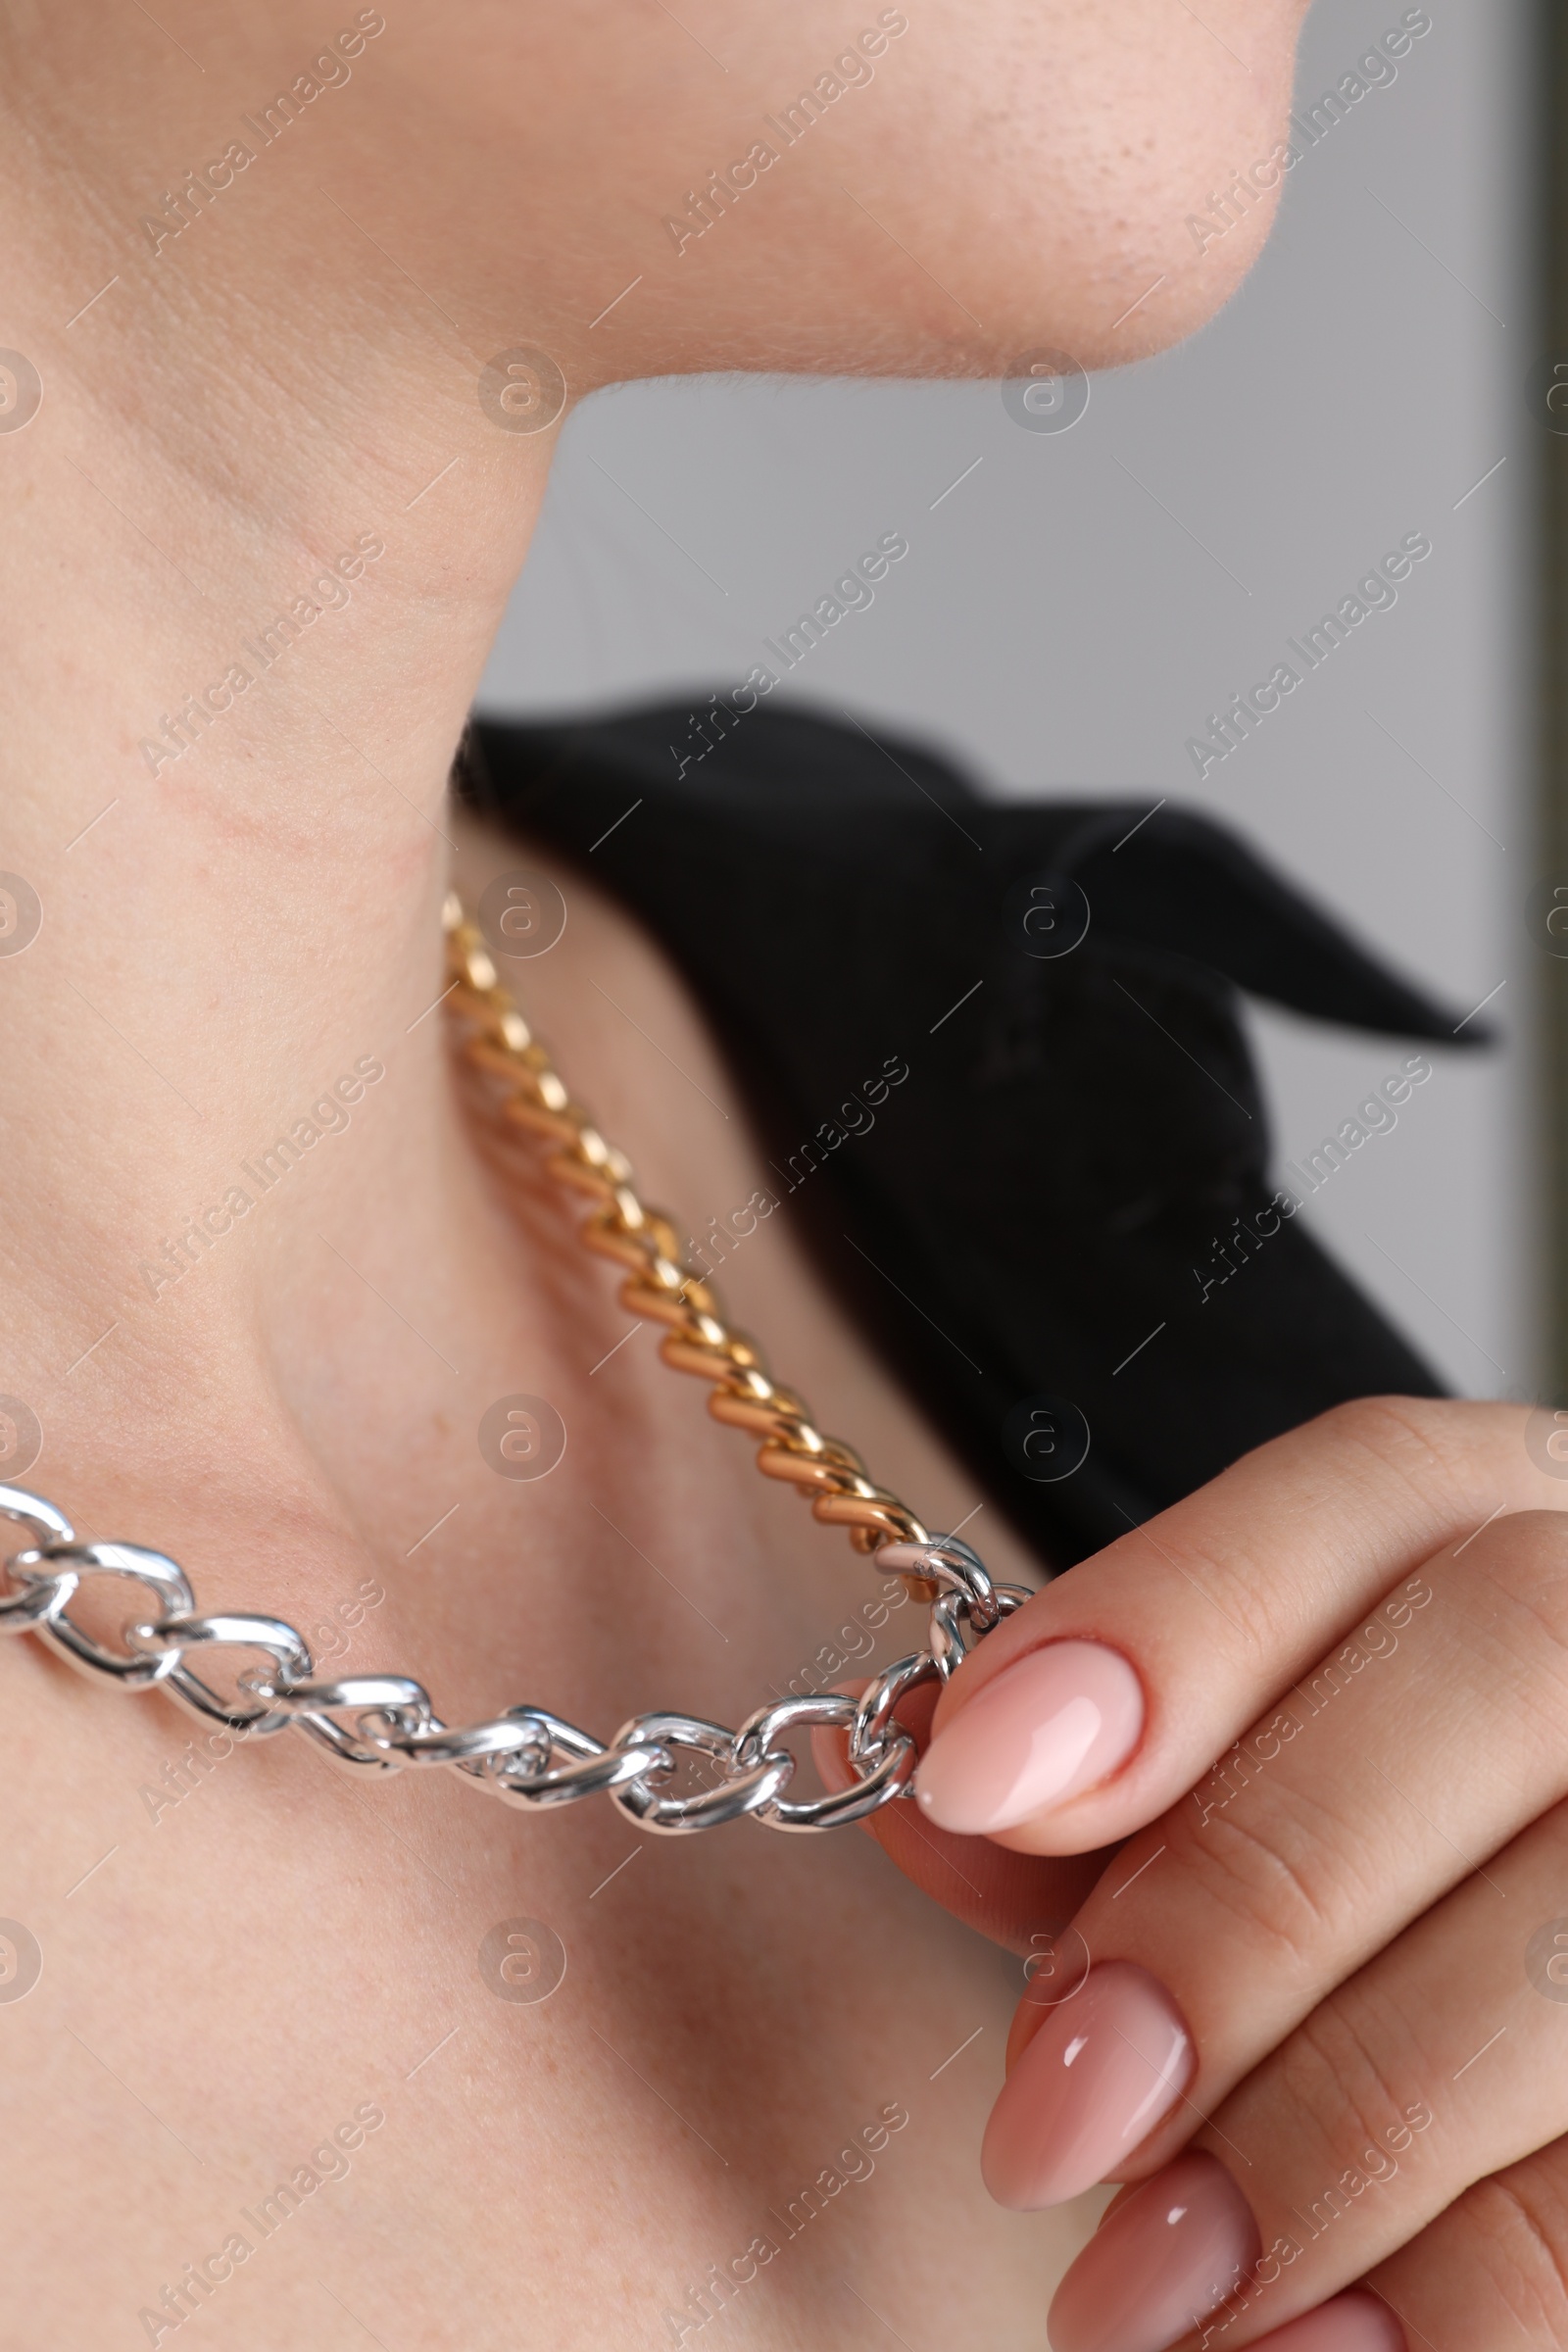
pixel 525 1755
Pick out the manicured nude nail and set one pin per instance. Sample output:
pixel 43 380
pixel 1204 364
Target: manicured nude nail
pixel 1178 2246
pixel 1092 2084
pixel 1054 1723
pixel 1352 2322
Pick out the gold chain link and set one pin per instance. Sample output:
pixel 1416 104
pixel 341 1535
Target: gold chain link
pixel 658 1284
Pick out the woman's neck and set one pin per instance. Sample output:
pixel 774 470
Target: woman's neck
pixel 250 604
pixel 257 542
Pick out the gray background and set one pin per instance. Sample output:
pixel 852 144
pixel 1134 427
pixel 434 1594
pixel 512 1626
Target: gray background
pixel 1068 615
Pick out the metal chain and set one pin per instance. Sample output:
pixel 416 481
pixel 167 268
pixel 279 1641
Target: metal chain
pixel 379 1723
pixel 658 1285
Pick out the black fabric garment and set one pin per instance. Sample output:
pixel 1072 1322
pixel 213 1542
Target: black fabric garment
pixel 1075 1136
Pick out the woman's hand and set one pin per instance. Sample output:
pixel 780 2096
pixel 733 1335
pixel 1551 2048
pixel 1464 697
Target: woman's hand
pixel 1316 2003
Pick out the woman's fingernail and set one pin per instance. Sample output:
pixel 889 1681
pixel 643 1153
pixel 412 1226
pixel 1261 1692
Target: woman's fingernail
pixel 1352 2322
pixel 1178 2246
pixel 1092 2084
pixel 1054 1723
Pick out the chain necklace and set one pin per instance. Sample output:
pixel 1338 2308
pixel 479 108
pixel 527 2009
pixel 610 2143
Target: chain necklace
pixel 374 1724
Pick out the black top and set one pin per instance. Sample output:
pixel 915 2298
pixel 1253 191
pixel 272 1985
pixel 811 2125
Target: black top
pixel 1016 1156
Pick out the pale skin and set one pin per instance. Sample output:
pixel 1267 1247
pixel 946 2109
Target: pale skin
pixel 241 1969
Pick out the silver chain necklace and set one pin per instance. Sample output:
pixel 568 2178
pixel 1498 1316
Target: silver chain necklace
pixel 374 1724
pixel 526 1754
